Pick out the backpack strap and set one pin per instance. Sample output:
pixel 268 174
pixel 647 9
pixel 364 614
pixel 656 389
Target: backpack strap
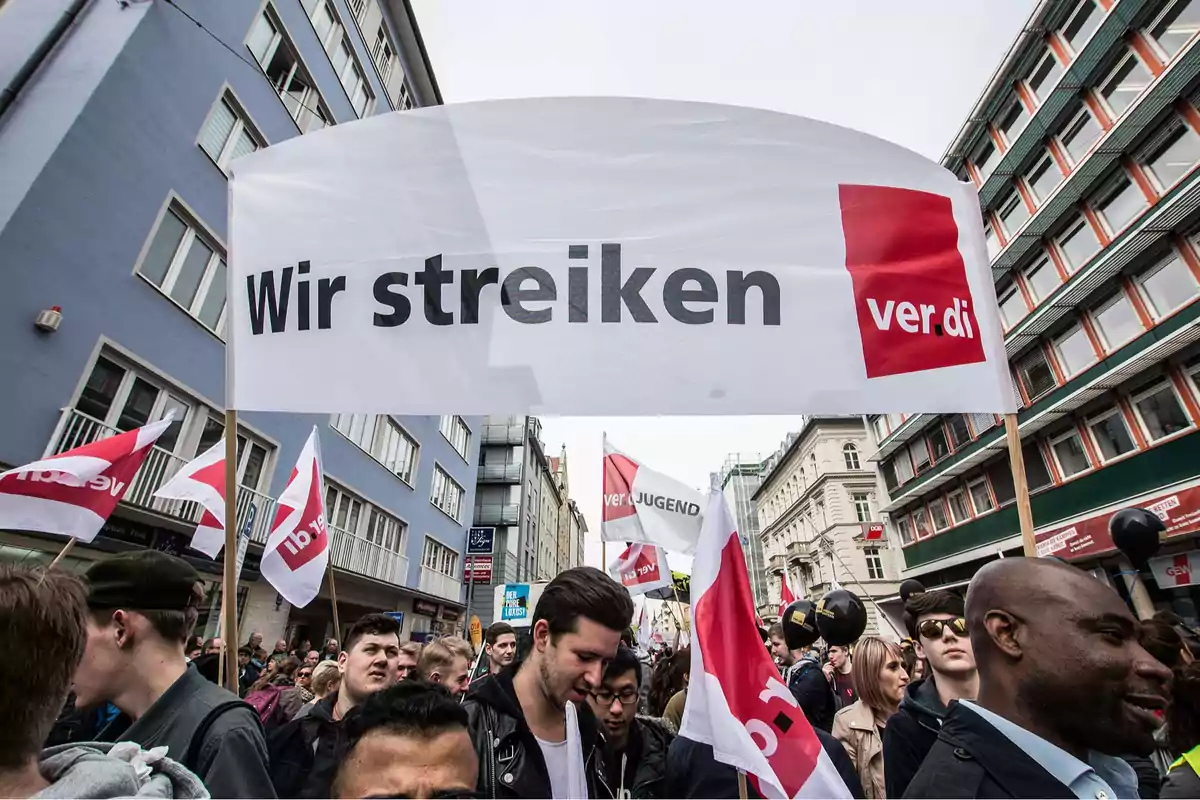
pixel 192 757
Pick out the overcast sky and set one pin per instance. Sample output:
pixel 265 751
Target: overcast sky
pixel 908 72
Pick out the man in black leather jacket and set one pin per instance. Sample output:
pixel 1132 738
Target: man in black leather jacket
pixel 635 748
pixel 534 735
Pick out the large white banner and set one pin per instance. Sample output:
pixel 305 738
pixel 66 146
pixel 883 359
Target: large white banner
pixel 607 256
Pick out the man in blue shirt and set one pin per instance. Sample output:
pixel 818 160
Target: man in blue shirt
pixel 1064 687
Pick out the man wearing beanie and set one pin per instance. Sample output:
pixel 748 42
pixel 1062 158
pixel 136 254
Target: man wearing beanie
pixel 142 606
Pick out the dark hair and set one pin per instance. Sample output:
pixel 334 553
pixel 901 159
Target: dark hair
pixel 622 662
pixel 196 643
pixel 496 630
pixel 776 631
pixel 289 665
pixel 935 601
pixel 1162 641
pixel 46 611
pixel 1183 715
pixel 244 650
pixel 370 624
pixel 583 592
pixel 667 679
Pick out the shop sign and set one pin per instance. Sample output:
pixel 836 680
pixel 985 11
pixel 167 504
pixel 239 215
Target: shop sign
pixel 1181 569
pixel 425 608
pixel 478 570
pixel 1179 510
pixel 481 541
pixel 451 614
pixel 872 531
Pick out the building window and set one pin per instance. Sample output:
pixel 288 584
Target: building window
pixel 1116 321
pixel 1044 76
pixel 878 427
pixel 1012 307
pixel 1070 454
pixel 280 62
pixel 982 422
pixel 1042 278
pixel 1167 286
pixel 1081 24
pixel 1013 213
pixel 938 445
pixel 383 439
pixel 921 524
pixel 1036 473
pixel 446 494
pixel 904 469
pixel 404 99
pixel 985 158
pixel 358 8
pixel 1119 203
pixel 999 475
pixel 1111 434
pixel 1175 155
pixel 862 506
pixel 457 433
pixel 958 506
pixel 904 528
pixel 1036 375
pixel 1125 83
pixel 343 509
pixel 888 468
pixel 850 455
pixel 1044 178
pixel 1075 351
pixel 991 241
pixel 386 531
pixel 382 53
pixel 227 134
pixel 874 563
pixel 920 455
pixel 1176 26
pixel 1012 120
pixel 341 55
pixel 960 432
pixel 189 267
pixel 937 513
pixel 1078 243
pixel 1160 411
pixel 981 498
pixel 1080 134
pixel 439 558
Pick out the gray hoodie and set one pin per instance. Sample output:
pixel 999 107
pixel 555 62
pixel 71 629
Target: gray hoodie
pixel 101 770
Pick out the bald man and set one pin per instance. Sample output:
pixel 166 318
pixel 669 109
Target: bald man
pixel 1064 687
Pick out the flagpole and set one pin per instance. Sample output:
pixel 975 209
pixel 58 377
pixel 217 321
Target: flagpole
pixel 229 584
pixel 878 610
pixel 1017 461
pixel 66 549
pixel 686 626
pixel 742 793
pixel 337 626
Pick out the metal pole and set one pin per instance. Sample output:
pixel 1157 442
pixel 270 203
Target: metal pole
pixel 863 589
pixel 229 582
pixel 470 589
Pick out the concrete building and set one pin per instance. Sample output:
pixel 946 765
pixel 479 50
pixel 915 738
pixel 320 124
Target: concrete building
pixel 739 478
pixel 115 156
pixel 817 514
pixel 1083 145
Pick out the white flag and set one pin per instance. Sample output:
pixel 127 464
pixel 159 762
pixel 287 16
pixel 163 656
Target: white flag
pixel 203 481
pixel 643 628
pixel 641 568
pixel 641 505
pixel 297 550
pixel 736 701
pixel 73 493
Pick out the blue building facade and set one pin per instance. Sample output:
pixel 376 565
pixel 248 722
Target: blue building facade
pixel 113 208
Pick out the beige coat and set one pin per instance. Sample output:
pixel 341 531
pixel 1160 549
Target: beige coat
pixel 854 727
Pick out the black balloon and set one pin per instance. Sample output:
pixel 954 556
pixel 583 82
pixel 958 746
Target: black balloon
pixel 909 588
pixel 1135 533
pixel 799 624
pixel 841 617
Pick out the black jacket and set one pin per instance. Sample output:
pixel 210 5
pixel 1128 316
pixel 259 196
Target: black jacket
pixel 972 759
pixel 910 733
pixel 305 753
pixel 644 761
pixel 510 760
pixel 814 694
pixel 692 771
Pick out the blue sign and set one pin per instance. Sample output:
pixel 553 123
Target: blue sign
pixel 396 615
pixel 516 603
pixel 481 541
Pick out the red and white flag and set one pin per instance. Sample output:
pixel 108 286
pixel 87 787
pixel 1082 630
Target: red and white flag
pixel 641 568
pixel 203 480
pixel 641 505
pixel 736 701
pixel 297 550
pixel 785 594
pixel 73 493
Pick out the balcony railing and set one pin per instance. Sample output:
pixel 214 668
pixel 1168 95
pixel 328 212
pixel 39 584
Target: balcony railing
pixel 496 514
pixel 776 564
pixel 499 473
pixel 440 585
pixel 800 551
pixel 503 434
pixel 356 554
pixel 76 429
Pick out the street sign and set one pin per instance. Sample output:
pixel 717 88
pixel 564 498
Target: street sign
pixel 396 615
pixel 479 570
pixel 244 541
pixel 481 541
pixel 872 531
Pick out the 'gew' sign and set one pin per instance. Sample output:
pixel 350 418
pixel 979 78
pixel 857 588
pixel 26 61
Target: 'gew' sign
pixel 607 256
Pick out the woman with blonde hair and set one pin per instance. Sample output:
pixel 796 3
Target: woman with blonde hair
pixel 326 679
pixel 879 680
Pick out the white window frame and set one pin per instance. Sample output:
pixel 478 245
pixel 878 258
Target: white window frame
pixel 1140 278
pixel 1096 419
pixel 1044 262
pixel 1095 312
pixel 917 528
pixel 1154 389
pixel 311 102
pixel 439 557
pixel 1014 101
pixel 1112 73
pixel 966 501
pixel 874 560
pixel 1158 48
pixel 904 529
pixel 1111 191
pixel 1079 224
pixel 1048 53
pixel 938 503
pixel 1053 167
pixel 364 431
pixel 1004 296
pixel 194 230
pixel 1061 141
pixel 1179 125
pixel 344 499
pixel 242 124
pixel 982 479
pixel 1062 437
pixel 440 492
pixel 1014 194
pixel 1076 329
pixel 987 141
pixel 1067 23
pixel 383 54
pixel 918 445
pixel 453 428
pixel 850 454
pixel 862 506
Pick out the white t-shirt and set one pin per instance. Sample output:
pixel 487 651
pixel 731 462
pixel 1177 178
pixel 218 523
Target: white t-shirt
pixel 558 764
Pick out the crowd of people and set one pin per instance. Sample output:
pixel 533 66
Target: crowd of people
pixel 1040 684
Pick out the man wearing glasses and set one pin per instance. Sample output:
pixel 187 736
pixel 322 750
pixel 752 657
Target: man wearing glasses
pixel 635 750
pixel 935 622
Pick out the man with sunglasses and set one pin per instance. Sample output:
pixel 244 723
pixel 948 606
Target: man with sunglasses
pixel 635 750
pixel 939 632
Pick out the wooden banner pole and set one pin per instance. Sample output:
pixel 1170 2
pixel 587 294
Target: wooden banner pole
pixel 337 625
pixel 742 793
pixel 686 626
pixel 229 584
pixel 1017 461
pixel 66 549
